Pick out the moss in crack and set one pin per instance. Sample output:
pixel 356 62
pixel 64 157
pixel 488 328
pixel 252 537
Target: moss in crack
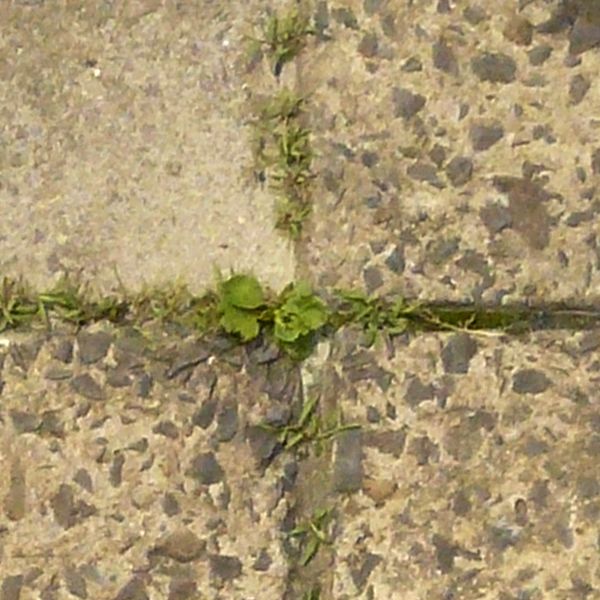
pixel 294 318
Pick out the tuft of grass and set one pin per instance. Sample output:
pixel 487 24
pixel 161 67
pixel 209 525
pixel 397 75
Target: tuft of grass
pixel 283 37
pixel 313 534
pixel 312 594
pixel 282 149
pixel 309 428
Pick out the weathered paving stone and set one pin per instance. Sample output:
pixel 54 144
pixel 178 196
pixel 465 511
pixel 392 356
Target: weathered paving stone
pixel 92 472
pixel 458 500
pixel 508 104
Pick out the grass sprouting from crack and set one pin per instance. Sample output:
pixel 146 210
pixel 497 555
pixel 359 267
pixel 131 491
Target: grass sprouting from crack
pixel 295 318
pixel 282 37
pixel 309 428
pixel 313 534
pixel 283 151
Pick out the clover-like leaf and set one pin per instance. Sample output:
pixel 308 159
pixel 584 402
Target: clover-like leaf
pixel 241 322
pixel 242 291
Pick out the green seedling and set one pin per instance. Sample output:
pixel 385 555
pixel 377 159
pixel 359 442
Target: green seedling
pixel 16 305
pixel 284 37
pixel 291 214
pixel 299 313
pixel 373 314
pixel 313 534
pixel 242 305
pixel 312 594
pixel 68 300
pixel 309 427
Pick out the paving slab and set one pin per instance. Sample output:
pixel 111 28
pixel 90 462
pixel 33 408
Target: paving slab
pixel 125 145
pixel 456 151
pixel 134 467
pixel 475 474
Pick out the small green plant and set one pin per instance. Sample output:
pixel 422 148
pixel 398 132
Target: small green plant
pixel 291 212
pixel 313 534
pixel 374 314
pixel 299 315
pixel 284 37
pixel 313 594
pixel 16 305
pixel 309 428
pixel 241 305
pixel 293 319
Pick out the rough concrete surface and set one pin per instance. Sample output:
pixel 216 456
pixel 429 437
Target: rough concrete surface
pixel 476 473
pixel 456 159
pixel 133 468
pixel 124 144
pixel 457 151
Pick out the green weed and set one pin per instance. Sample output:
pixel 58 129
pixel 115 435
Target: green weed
pixel 309 428
pixel 313 534
pixel 312 594
pixel 283 37
pixel 282 149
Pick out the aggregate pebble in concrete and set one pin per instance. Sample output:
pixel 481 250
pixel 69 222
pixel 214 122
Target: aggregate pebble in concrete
pixel 125 135
pixel 462 134
pixel 475 477
pixel 120 492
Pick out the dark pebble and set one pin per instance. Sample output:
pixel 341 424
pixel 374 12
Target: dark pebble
pixel 134 589
pixel 494 67
pixel 444 58
pixel 372 278
pixel 458 352
pixel 144 385
pixel 395 262
pixel 167 429
pixel 88 387
pixel 93 346
pixel 422 171
pixel 407 103
pixel 412 65
pixel 227 422
pixel 388 442
pixel 263 561
pixel 578 88
pixel 368 46
pixel 584 36
pixel 170 505
pixel 226 568
pixel 63 351
pixel 530 381
pixel 495 217
pixel 539 55
pixel 459 170
pixel 484 137
pixel 345 17
pixel 474 14
pixel 348 467
pixel 518 30
pixel 206 469
pixel 595 161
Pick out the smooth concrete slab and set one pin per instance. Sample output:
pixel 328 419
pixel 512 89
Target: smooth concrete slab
pixel 124 144
pixel 476 473
pixel 457 153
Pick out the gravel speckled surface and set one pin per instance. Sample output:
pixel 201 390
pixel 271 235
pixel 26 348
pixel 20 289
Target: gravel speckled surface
pixel 456 149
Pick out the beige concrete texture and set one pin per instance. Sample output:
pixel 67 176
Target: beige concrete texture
pixel 476 473
pixel 457 149
pixel 133 468
pixel 124 145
